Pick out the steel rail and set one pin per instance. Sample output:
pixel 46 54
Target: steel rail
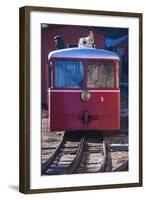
pixel 73 166
pixel 53 156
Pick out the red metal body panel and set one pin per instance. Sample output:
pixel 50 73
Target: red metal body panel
pixel 67 109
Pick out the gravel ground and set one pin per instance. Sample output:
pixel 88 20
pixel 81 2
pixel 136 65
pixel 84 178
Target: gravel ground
pixel 118 158
pixel 49 140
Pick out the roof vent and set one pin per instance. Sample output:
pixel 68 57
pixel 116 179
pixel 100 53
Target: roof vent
pixel 86 41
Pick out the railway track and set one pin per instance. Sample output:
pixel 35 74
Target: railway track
pixel 94 156
pixel 84 153
pixel 76 155
pixel 65 158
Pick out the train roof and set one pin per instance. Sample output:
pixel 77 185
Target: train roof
pixel 86 52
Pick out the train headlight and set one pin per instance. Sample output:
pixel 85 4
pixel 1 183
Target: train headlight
pixel 85 96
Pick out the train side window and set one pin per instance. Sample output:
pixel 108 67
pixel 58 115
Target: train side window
pixel 50 74
pixel 100 74
pixel 69 74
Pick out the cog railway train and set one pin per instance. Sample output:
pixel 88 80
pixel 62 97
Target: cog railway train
pixel 83 92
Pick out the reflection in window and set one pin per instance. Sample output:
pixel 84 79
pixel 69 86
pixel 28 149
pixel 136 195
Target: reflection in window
pixel 69 74
pixel 100 74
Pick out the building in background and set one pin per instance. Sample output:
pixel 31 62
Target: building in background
pixel 120 46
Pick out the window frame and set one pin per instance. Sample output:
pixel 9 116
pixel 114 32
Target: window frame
pixel 85 61
pixel 54 76
pixel 114 71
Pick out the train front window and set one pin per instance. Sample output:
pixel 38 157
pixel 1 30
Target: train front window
pixel 69 74
pixel 100 74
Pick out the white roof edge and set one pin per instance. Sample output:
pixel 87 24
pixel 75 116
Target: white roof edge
pixel 83 53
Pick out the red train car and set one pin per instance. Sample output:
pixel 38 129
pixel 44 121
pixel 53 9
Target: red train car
pixel 83 91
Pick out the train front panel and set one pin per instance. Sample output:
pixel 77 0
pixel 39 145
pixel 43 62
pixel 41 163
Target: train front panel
pixel 69 112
